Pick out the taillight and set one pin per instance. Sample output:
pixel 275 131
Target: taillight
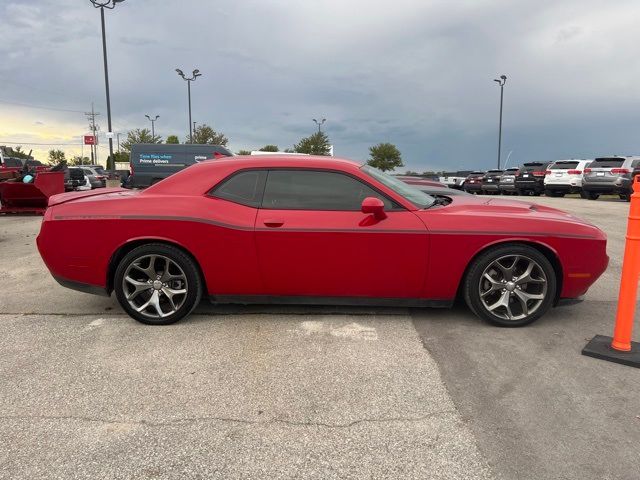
pixel 130 168
pixel 516 173
pixel 547 172
pixel 619 170
pixel 587 170
pixel 100 177
pixel 574 172
pixel 539 173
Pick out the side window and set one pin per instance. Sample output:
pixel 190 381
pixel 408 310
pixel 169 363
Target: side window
pixel 635 164
pixel 244 188
pixel 13 162
pixel 316 190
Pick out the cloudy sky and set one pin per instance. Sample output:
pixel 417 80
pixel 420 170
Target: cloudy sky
pixel 417 73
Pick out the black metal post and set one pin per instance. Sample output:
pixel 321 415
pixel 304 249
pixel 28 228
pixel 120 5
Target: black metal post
pixel 500 126
pixel 189 95
pixel 501 82
pixel 106 83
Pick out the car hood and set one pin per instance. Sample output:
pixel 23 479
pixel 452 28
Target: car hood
pixel 477 214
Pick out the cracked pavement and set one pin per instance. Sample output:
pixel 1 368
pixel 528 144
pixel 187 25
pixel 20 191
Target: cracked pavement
pixel 233 392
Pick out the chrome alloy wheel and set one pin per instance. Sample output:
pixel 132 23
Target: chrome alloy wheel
pixel 155 286
pixel 513 287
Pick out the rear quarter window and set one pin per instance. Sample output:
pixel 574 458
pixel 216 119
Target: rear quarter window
pixel 245 188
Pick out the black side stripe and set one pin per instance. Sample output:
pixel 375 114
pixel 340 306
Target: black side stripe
pixel 319 230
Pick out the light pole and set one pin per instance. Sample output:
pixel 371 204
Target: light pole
pixel 195 74
pixel 110 4
pixel 319 123
pixel 153 130
pixel 501 81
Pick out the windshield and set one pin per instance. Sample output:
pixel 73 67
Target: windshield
pixel 415 196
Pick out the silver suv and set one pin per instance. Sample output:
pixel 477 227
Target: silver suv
pixel 609 175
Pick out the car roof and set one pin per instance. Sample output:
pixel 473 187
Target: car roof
pixel 199 175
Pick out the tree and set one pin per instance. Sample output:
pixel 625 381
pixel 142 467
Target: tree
pixel 17 152
pixel 270 148
pixel 204 134
pixel 172 139
pixel 56 156
pixel 316 144
pixel 139 135
pixel 385 156
pixel 120 157
pixel 78 160
pixel 243 152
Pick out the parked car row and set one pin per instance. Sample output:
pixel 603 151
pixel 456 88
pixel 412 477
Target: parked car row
pixel 589 178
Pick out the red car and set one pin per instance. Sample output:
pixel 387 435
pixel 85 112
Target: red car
pixel 314 230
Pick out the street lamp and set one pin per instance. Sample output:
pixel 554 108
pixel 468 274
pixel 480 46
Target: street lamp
pixel 195 74
pixel 319 123
pixel 110 4
pixel 153 121
pixel 501 81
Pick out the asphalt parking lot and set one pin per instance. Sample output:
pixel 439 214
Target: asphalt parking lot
pixel 275 392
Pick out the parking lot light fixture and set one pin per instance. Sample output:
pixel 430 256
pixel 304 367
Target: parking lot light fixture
pixel 110 4
pixel 153 121
pixel 501 81
pixel 319 123
pixel 195 74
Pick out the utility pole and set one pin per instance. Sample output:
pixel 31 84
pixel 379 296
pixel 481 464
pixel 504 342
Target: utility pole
pixel 118 139
pixel 91 116
pixel 194 127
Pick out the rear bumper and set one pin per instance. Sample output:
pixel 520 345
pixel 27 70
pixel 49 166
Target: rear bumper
pixel 491 187
pixel 537 186
pixel 472 187
pixel 507 187
pixel 612 188
pixel 562 187
pixel 82 287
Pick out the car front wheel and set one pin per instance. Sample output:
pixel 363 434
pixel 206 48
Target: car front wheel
pixel 157 284
pixel 510 285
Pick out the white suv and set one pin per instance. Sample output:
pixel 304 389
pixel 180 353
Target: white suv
pixel 564 176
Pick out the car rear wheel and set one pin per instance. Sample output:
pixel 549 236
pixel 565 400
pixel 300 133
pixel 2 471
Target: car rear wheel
pixel 593 195
pixel 625 196
pixel 157 284
pixel 510 286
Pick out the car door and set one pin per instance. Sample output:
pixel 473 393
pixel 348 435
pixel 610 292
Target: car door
pixel 313 240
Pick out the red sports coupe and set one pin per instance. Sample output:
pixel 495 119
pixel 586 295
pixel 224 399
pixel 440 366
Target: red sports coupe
pixel 315 230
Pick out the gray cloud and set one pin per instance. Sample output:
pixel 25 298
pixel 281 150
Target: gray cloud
pixel 416 73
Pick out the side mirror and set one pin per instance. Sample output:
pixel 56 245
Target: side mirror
pixel 375 206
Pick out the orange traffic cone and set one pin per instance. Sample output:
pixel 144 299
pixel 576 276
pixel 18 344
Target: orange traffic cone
pixel 620 348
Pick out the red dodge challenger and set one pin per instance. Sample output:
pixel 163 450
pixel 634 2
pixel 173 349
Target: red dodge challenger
pixel 315 230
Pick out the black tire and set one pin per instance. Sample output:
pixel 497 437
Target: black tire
pixel 472 284
pixel 583 194
pixel 625 196
pixel 519 193
pixel 192 283
pixel 592 195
